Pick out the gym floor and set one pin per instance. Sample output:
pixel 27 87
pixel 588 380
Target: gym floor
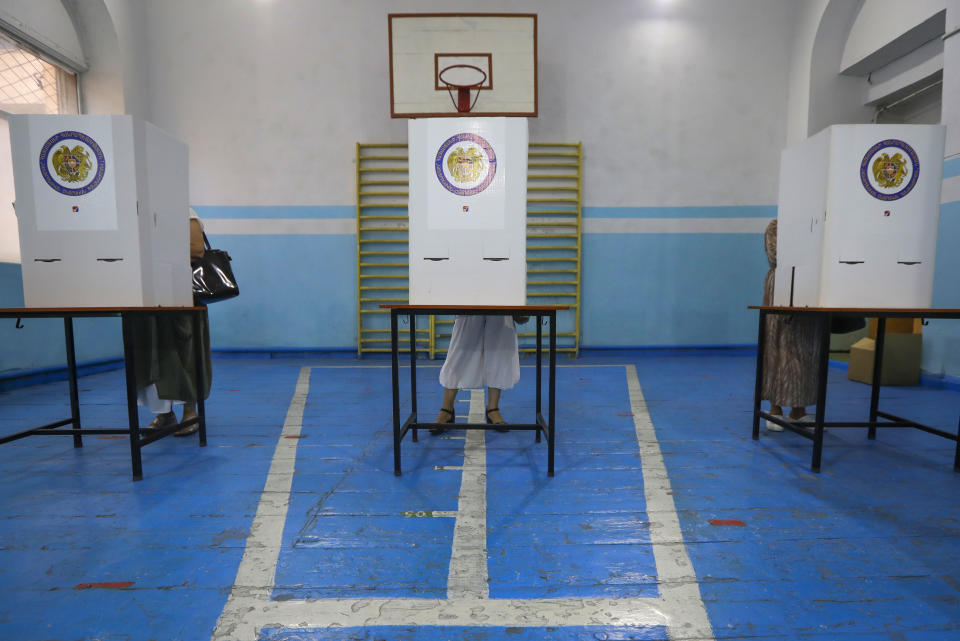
pixel 665 520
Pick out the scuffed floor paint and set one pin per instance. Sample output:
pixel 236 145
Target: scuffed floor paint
pixel 665 520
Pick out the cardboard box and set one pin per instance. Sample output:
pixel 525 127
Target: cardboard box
pixel 901 359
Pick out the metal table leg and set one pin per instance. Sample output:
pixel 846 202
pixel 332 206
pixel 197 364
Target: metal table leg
pixel 198 356
pixel 539 410
pixel 72 374
pixel 956 456
pixel 132 418
pixel 877 378
pixel 395 373
pixel 758 385
pixel 413 371
pixel 551 416
pixel 822 372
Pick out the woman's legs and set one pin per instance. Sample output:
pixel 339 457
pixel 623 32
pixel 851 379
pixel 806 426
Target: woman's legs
pixel 446 413
pixel 493 403
pixel 446 405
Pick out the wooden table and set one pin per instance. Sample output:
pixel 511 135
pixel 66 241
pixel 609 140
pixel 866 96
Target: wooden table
pixel 139 438
pixel 540 426
pixel 813 430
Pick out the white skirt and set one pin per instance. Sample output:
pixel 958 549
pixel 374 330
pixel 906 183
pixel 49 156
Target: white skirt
pixel 483 353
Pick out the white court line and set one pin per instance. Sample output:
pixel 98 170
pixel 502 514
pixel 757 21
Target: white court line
pixel 467 578
pixel 258 567
pixel 679 607
pixel 676 578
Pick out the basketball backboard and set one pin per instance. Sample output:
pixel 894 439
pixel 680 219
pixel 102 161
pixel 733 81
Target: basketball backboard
pixel 431 54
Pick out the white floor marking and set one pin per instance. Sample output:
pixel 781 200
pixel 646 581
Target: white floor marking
pixel 468 559
pixel 255 576
pixel 679 607
pixel 679 590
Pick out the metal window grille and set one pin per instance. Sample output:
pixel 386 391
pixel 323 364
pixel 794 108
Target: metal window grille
pixel 30 84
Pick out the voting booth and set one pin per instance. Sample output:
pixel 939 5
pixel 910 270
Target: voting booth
pixel 858 212
pixel 468 211
pixel 102 209
pixel 468 83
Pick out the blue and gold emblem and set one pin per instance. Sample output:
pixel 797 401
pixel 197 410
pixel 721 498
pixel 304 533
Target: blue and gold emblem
pixel 72 163
pixel 890 169
pixel 465 164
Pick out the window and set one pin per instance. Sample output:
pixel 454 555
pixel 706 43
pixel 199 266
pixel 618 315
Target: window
pixel 28 85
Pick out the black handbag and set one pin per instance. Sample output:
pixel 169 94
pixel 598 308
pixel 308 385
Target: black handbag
pixel 846 324
pixel 213 278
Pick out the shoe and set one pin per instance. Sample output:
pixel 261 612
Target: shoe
pixel 490 420
pixel 440 430
pixel 189 414
pixel 804 419
pixel 188 430
pixel 161 421
pixel 773 427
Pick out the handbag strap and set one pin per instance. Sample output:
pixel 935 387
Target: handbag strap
pixel 206 243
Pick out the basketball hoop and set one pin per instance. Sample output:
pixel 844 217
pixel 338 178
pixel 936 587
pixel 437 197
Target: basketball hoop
pixel 462 103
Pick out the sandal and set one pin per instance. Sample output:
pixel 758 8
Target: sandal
pixel 490 420
pixel 441 430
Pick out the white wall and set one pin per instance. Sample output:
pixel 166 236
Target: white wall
pixel 129 21
pixel 9 236
pixel 880 22
pixel 806 22
pixel 102 85
pixel 44 24
pixel 951 79
pixel 835 99
pixel 677 104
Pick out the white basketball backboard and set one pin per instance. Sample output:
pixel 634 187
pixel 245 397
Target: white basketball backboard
pixel 502 46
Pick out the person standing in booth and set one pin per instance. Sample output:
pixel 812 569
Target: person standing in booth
pixel 164 355
pixel 483 352
pixel 792 350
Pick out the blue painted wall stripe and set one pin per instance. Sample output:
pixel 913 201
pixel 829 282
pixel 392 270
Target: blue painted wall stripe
pixel 276 211
pixel 951 167
pixel 735 211
pixel 589 211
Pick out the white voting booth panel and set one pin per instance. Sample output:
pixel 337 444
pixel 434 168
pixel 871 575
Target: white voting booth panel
pixel 468 211
pixel 857 219
pixel 102 209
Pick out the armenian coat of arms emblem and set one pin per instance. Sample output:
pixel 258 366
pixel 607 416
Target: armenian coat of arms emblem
pixel 465 164
pixel 72 163
pixel 890 169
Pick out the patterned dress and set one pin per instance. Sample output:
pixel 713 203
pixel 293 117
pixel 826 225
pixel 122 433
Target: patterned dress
pixel 792 351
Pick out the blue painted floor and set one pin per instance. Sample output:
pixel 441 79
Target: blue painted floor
pixel 867 549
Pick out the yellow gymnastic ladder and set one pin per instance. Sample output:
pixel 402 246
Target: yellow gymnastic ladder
pixel 554 188
pixel 382 253
pixel 554 212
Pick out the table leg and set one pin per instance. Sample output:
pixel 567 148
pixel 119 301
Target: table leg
pixel 536 416
pixel 129 365
pixel 822 372
pixel 198 356
pixel 413 371
pixel 758 384
pixel 877 370
pixel 395 373
pixel 551 420
pixel 956 456
pixel 72 374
